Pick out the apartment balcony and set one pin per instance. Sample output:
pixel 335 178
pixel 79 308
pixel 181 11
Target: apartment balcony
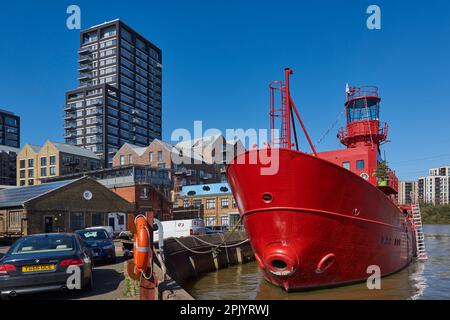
pixel 70 125
pixel 85 50
pixel 70 116
pixel 69 107
pixel 96 102
pixel 69 135
pixel 95 140
pixel 85 59
pixel 85 76
pixel 85 68
pixel 93 112
pixel 97 120
pixel 95 131
pixel 85 84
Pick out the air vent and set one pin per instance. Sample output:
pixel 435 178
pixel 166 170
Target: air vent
pixel 206 188
pixel 224 189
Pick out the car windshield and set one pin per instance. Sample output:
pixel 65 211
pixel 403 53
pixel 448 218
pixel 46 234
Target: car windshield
pixel 43 243
pixel 93 234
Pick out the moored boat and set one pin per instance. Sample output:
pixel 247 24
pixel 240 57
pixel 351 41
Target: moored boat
pixel 328 218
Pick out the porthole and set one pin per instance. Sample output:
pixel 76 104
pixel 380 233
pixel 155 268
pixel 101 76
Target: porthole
pixel 267 197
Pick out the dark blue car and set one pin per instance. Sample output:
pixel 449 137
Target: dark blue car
pixel 43 262
pixel 100 244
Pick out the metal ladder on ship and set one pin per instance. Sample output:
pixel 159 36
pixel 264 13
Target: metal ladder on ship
pixel 420 237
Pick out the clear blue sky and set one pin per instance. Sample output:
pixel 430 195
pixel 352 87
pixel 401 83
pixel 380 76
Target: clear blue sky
pixel 219 56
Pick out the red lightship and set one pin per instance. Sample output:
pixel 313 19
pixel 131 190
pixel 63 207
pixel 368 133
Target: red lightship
pixel 323 218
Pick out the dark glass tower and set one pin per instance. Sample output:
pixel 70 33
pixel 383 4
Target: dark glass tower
pixel 9 129
pixel 119 95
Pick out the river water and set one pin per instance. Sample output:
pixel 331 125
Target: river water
pixel 421 280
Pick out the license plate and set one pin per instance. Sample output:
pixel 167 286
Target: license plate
pixel 38 268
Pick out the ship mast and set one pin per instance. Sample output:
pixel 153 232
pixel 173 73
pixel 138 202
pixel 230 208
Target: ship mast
pixel 284 111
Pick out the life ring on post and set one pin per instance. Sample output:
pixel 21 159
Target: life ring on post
pixel 141 248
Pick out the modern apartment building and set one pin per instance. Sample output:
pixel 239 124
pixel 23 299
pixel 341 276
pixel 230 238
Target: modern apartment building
pixel 9 129
pixel 435 188
pixel 216 200
pixel 407 192
pixel 35 163
pixel 8 170
pixel 118 99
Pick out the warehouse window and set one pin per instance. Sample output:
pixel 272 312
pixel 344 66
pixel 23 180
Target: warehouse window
pixel 15 219
pixel 225 220
pixel 346 165
pixel 76 220
pixel 224 203
pixel 97 219
pixel 210 203
pixel 210 221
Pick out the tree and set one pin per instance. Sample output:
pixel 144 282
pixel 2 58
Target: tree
pixel 382 171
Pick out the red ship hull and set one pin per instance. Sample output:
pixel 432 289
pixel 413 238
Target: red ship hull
pixel 315 224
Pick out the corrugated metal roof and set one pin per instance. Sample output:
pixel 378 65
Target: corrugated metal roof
pixel 17 196
pixel 206 189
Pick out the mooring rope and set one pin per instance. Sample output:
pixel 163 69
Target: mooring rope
pixel 215 247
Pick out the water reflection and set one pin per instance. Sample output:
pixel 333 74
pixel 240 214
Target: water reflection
pixel 420 280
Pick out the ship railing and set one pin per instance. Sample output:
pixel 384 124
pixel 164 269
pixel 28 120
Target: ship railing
pixel 382 131
pixel 363 91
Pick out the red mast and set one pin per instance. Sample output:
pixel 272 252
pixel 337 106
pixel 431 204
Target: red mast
pixel 284 111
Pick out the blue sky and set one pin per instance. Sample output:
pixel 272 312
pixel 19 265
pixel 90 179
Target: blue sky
pixel 219 56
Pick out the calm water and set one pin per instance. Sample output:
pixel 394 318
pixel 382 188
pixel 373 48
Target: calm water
pixel 421 280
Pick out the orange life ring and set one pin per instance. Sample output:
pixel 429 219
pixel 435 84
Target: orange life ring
pixel 141 250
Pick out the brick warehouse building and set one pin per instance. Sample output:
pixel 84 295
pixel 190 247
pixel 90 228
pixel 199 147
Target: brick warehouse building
pixel 62 206
pixel 146 188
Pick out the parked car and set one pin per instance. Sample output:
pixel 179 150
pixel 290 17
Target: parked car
pixel 180 228
pixel 100 243
pixel 39 263
pixel 108 229
pixel 216 229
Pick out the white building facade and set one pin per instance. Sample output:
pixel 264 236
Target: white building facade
pixel 435 188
